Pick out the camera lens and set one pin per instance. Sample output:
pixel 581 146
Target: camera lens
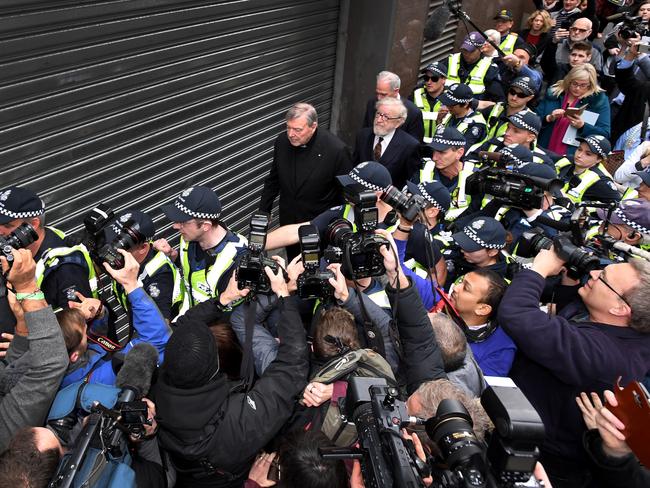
pixel 22 236
pixel 338 232
pixel 129 237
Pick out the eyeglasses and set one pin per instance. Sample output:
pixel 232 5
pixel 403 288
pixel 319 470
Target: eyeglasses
pixel 579 85
pixel 433 78
pixel 383 116
pixel 601 278
pixel 578 29
pixel 516 93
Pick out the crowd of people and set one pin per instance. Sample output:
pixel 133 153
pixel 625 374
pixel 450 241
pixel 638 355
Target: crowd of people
pixel 493 223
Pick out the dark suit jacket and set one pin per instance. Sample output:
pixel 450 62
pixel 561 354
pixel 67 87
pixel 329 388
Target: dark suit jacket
pixel 414 124
pixel 401 157
pixel 305 176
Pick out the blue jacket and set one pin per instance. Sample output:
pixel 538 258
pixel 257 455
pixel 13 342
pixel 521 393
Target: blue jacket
pixel 495 354
pixel 149 325
pixel 558 358
pixel 598 103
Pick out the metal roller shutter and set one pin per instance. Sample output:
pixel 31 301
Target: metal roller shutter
pixel 129 102
pixel 444 46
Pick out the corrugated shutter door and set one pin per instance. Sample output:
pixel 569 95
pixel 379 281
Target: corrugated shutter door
pixel 130 102
pixel 440 48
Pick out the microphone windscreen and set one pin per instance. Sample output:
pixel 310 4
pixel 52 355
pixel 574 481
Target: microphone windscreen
pixel 435 26
pixel 138 368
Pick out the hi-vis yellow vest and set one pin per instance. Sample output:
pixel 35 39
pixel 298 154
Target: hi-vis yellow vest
pixel 476 79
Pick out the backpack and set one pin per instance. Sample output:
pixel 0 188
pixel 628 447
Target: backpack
pixel 361 362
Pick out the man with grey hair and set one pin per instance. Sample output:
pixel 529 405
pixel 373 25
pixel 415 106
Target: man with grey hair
pixel 387 86
pixel 306 160
pixel 387 143
pixel 563 41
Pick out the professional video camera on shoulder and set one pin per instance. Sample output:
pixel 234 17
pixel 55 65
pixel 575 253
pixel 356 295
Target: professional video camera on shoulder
pixel 358 250
pixel 313 283
pixel 128 236
pixel 250 269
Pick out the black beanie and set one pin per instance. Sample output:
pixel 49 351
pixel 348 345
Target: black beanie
pixel 191 356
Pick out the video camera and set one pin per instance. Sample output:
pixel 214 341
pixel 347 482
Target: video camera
pixel 358 252
pixel 313 283
pixel 250 270
pixel 94 238
pixel 507 460
pixel 515 189
pixel 20 238
pixel 408 207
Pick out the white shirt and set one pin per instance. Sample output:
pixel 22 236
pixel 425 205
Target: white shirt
pixel 385 141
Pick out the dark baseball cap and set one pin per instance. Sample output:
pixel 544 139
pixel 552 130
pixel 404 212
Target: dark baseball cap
pixel 539 170
pixel 598 144
pixel 369 175
pixel 473 41
pixel 457 94
pixel 446 138
pixel 19 203
pixel 525 84
pixel 644 175
pixel 527 120
pixel 481 233
pixel 634 213
pixel 503 14
pixel 434 192
pixel 146 227
pixel 436 68
pixel 517 155
pixel 199 202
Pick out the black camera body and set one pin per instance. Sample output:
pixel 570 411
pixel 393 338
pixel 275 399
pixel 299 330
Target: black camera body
pixel 95 224
pixel 250 269
pixel 515 189
pixel 20 238
pixel 358 252
pixel 633 26
pixel 313 283
pixel 408 207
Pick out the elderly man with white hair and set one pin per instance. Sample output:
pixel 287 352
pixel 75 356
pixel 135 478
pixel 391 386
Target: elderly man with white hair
pixel 580 30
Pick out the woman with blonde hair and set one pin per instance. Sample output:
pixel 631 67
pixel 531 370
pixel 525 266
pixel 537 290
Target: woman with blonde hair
pixel 536 33
pixel 579 88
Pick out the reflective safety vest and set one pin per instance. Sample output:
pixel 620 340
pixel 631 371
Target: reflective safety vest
pixel 496 127
pixel 508 44
pixel 158 262
pixel 459 199
pixel 417 268
pixel 630 193
pixel 476 78
pixel 201 285
pixel 587 179
pixel 56 256
pixel 429 113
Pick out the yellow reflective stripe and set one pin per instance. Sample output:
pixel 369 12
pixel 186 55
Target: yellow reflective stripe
pixel 159 260
pixel 576 194
pixel 508 44
pixel 50 258
pixel 58 232
pixel 416 267
pixel 380 298
pixel 427 172
pixel 452 69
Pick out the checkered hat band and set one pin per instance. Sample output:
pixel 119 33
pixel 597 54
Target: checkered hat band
pixel 512 156
pixel 365 183
pixel 447 142
pixel 628 222
pixel 20 215
pixel 592 141
pixel 520 122
pixel 520 84
pixel 428 197
pixel 196 215
pixel 458 100
pixel 477 43
pixel 480 241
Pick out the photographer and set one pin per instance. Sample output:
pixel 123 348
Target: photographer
pixel 93 362
pixel 62 271
pixel 159 276
pixel 36 357
pixel 585 348
pixel 212 429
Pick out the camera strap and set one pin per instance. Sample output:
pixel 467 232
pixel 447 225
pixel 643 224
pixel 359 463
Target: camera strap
pixel 373 337
pixel 247 368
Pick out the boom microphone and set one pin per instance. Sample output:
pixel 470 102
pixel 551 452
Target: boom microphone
pixel 435 26
pixel 135 376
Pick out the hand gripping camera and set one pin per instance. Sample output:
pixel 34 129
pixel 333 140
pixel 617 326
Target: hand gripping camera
pixel 408 207
pixel 250 270
pixel 313 283
pixel 358 252
pixel 20 238
pixel 95 225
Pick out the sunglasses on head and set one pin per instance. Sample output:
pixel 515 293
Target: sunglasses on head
pixel 516 93
pixel 433 78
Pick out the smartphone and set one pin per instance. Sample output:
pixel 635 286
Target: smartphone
pixel 634 411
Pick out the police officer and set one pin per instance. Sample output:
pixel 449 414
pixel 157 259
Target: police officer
pixel 520 93
pixel 427 100
pixel 469 66
pixel 585 178
pixel 447 167
pixel 208 249
pixel 630 222
pixel 503 25
pixel 62 272
pixel 458 99
pixel 160 278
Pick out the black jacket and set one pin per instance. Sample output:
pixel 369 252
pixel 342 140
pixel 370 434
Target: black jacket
pixel 422 359
pixel 414 124
pixel 214 432
pixel 305 177
pixel 637 94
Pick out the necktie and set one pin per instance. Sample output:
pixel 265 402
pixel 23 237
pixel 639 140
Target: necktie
pixel 377 150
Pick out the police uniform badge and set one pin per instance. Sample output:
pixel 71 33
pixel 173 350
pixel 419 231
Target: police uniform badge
pixel 153 290
pixel 478 224
pixel 476 130
pixel 71 294
pixel 187 192
pixel 125 218
pixel 4 195
pixel 612 185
